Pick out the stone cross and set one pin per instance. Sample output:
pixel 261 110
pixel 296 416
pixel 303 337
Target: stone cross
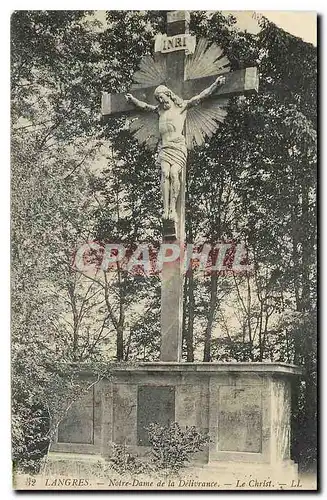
pixel 174 46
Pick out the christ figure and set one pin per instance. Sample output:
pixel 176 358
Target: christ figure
pixel 172 151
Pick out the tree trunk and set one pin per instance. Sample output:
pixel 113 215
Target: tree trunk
pixel 211 315
pixel 190 324
pixel 71 294
pixel 121 322
pixel 120 343
pixel 128 345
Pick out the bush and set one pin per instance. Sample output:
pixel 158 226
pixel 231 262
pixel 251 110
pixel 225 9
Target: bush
pixel 173 447
pixel 124 462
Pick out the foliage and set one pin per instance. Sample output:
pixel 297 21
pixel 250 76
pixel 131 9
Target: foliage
pixel 35 422
pixel 124 462
pixel 173 447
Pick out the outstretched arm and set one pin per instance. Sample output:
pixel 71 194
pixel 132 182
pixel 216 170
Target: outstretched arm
pixel 140 104
pixel 197 99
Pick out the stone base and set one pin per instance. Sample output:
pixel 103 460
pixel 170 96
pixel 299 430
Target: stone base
pixel 245 408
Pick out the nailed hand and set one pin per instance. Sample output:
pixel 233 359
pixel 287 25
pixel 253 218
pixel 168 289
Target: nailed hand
pixel 221 80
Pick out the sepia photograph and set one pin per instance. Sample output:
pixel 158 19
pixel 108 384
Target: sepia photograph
pixel 164 250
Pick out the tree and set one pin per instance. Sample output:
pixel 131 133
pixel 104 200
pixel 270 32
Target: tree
pixel 49 207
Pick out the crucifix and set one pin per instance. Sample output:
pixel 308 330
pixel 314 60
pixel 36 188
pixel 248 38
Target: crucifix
pixel 179 98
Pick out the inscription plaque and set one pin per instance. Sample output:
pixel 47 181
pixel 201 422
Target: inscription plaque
pixel 154 405
pixel 240 419
pixel 78 426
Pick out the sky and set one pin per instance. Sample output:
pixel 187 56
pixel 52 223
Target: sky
pixel 299 23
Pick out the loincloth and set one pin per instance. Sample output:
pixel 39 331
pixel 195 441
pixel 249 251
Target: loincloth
pixel 174 153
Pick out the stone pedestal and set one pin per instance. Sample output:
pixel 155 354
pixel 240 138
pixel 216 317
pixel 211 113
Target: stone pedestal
pixel 245 407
